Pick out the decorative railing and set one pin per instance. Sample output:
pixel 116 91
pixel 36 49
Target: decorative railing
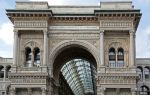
pixel 30 69
pixel 2 79
pixel 120 70
pixel 6 60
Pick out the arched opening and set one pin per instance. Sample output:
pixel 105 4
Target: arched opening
pixel 1 71
pixel 36 56
pixel 112 57
pixel 140 72
pixel 28 54
pixel 147 72
pixel 78 66
pixel 7 70
pixel 144 90
pixel 120 57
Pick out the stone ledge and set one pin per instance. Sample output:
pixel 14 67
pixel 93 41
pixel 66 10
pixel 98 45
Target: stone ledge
pixel 31 5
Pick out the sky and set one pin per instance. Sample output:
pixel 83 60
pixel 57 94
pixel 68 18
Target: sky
pixel 142 33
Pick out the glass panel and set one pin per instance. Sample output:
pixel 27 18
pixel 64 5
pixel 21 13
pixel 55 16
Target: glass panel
pixel 37 57
pixel 78 73
pixel 147 73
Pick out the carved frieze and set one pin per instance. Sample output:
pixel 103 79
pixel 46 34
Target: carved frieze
pixel 30 24
pixel 74 36
pixel 116 79
pixel 28 81
pixel 115 24
pixel 74 27
pixel 28 77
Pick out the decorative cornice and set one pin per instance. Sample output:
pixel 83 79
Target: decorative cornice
pixel 74 18
pixel 13 14
pixel 28 74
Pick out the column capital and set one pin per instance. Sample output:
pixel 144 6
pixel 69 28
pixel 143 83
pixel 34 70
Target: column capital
pixel 133 89
pixel 131 32
pixel 29 91
pixel 45 30
pixel 12 90
pixel 43 90
pixel 45 33
pixel 15 30
pixel 101 91
pixel 102 31
pixel 4 67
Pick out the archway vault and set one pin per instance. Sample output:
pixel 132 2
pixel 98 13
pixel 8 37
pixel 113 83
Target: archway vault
pixel 68 50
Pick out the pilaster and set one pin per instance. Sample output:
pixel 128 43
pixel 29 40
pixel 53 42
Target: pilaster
pixel 4 79
pixel 45 56
pixel 133 91
pixel 43 91
pixel 101 91
pixel 29 91
pixel 12 91
pixel 102 47
pixel 15 50
pixel 132 48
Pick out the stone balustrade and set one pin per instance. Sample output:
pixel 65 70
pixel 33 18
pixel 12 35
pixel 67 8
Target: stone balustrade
pixel 6 60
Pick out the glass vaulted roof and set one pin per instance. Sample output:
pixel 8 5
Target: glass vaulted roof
pixel 80 75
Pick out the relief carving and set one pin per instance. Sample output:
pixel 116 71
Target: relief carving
pixel 116 24
pixel 116 43
pixel 28 24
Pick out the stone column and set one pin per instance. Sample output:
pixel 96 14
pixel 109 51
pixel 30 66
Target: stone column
pixel 32 58
pixel 45 55
pixel 101 91
pixel 43 91
pixel 133 91
pixel 12 91
pixel 4 79
pixel 132 48
pixel 15 47
pixel 29 91
pixel 143 76
pixel 102 47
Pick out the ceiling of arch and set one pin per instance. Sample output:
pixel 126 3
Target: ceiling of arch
pixel 80 75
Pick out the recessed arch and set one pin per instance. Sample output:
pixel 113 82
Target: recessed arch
pixel 140 71
pixel 144 90
pixel 146 72
pixel 74 48
pixel 1 71
pixel 32 44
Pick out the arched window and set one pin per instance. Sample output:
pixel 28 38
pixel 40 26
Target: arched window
pixel 7 70
pixel 144 90
pixel 147 72
pixel 112 57
pixel 36 56
pixel 140 72
pixel 1 71
pixel 28 54
pixel 120 57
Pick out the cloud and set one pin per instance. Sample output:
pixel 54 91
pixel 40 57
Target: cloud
pixel 6 33
pixel 6 39
pixel 143 43
pixel 6 51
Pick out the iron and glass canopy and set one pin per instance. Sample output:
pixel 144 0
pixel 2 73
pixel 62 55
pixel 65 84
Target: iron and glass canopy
pixel 80 75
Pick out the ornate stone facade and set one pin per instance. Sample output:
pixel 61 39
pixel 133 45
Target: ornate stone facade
pixel 48 36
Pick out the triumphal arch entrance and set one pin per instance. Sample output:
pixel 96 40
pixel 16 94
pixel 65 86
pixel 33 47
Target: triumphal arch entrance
pixel 74 50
